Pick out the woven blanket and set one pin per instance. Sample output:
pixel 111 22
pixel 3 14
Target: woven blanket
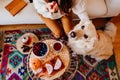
pixel 13 64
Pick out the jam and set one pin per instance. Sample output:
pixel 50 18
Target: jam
pixel 57 46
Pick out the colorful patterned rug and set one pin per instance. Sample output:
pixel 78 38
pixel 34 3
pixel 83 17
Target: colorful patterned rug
pixel 13 64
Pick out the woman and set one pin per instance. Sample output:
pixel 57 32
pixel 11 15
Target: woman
pixel 53 11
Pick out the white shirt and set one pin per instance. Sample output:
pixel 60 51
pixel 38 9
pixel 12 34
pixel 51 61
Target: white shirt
pixel 83 8
pixel 40 6
pixel 78 8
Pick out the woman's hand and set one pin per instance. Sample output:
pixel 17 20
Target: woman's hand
pixel 52 7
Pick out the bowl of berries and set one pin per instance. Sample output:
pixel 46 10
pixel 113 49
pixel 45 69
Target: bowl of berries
pixel 40 49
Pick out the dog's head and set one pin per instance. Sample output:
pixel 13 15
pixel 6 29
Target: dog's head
pixel 83 37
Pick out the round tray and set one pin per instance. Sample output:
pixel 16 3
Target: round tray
pixel 67 75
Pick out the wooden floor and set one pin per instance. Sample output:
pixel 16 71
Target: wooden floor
pixel 116 44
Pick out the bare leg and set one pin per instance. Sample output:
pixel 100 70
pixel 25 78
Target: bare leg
pixel 53 25
pixel 67 23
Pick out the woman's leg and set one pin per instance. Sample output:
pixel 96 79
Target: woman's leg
pixel 67 23
pixel 53 26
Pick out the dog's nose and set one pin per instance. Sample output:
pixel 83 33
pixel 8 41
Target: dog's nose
pixel 73 34
pixel 85 36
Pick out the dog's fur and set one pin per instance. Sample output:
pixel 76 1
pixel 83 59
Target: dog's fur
pixel 98 44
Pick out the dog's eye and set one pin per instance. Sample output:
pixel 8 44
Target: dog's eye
pixel 72 34
pixel 82 27
pixel 85 36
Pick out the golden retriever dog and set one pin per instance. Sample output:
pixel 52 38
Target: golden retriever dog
pixel 84 39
